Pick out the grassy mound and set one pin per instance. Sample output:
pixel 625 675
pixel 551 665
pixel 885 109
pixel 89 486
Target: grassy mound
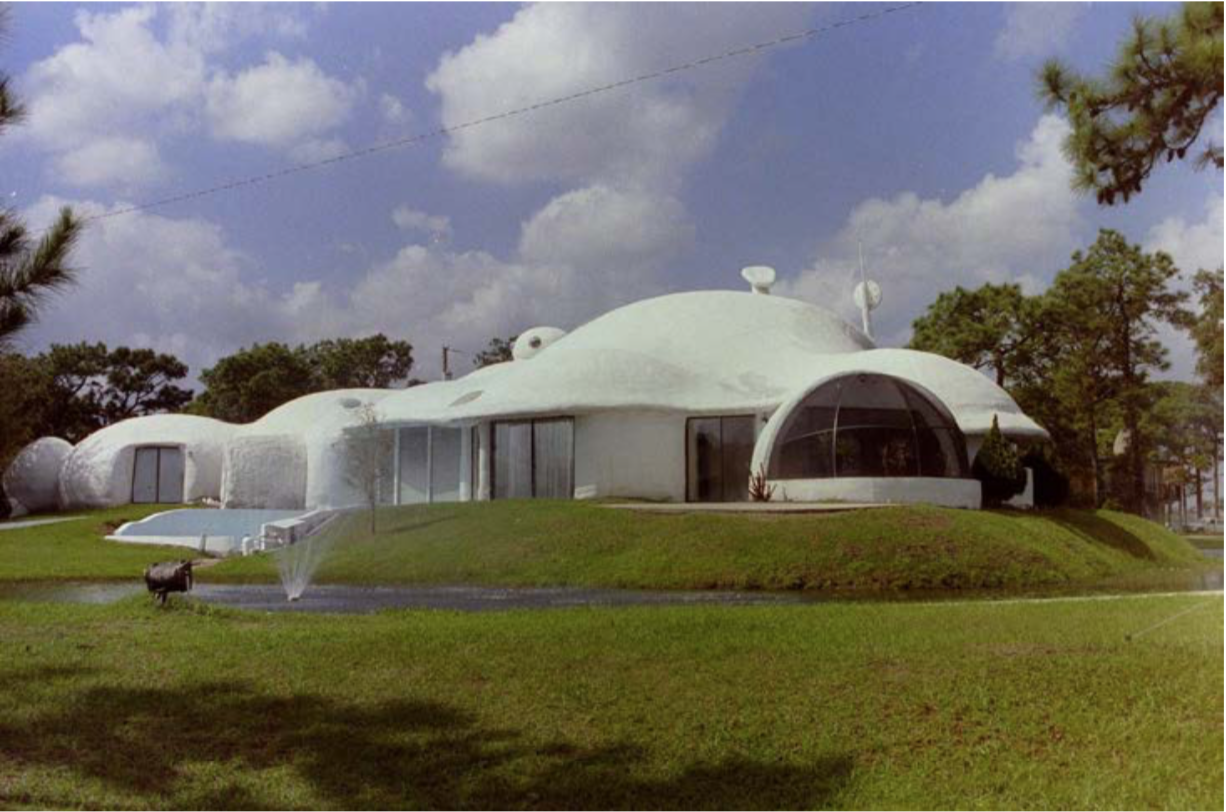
pixel 897 548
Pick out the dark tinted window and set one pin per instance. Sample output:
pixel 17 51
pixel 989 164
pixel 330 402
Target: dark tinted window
pixel 868 426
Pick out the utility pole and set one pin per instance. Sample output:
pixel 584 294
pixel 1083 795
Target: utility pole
pixel 446 360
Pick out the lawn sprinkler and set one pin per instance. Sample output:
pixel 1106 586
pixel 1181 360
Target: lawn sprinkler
pixel 168 576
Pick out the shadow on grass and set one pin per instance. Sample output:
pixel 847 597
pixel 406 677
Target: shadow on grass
pixel 1094 529
pixel 148 746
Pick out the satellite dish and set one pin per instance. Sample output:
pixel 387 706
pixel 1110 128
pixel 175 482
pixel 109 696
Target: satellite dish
pixel 867 295
pixel 759 277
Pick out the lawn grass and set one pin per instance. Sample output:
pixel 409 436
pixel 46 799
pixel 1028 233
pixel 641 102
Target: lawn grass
pixel 543 543
pixel 970 705
pixel 76 549
pixel 1204 542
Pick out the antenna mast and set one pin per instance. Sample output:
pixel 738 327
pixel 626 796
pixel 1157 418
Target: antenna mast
pixel 867 294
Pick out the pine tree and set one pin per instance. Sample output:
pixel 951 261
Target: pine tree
pixel 1164 86
pixel 29 269
pixel 999 468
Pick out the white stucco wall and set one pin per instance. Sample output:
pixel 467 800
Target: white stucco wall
pixel 630 454
pixel 959 493
pixel 98 472
pixel 265 471
pixel 32 480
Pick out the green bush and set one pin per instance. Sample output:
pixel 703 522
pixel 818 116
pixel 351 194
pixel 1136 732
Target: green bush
pixel 999 468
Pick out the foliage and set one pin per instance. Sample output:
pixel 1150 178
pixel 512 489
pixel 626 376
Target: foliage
pixel 991 327
pixel 998 468
pixel 497 351
pixel 759 489
pixel 375 362
pixel 24 392
pixel 1206 328
pixel 92 387
pixel 30 269
pixel 1164 86
pixel 368 458
pixel 247 384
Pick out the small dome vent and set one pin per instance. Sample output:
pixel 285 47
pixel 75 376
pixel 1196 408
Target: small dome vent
pixel 530 342
pixel 350 403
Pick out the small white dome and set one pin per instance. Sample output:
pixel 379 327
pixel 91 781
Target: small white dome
pixel 531 342
pixel 32 480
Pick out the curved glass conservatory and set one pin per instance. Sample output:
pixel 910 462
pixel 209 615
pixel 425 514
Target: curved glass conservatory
pixel 868 425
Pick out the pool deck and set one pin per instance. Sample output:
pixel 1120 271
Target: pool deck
pixel 743 507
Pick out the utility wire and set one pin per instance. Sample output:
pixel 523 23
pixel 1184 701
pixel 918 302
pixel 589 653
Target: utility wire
pixel 373 149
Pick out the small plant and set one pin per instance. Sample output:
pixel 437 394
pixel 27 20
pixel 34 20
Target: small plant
pixel 999 468
pixel 759 489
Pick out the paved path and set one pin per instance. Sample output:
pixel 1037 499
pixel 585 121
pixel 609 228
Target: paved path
pixel 18 525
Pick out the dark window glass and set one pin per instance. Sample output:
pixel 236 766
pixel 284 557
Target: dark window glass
pixel 705 482
pixel 868 426
pixel 720 453
pixel 444 464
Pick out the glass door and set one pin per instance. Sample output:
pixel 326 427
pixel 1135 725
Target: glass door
pixel 719 452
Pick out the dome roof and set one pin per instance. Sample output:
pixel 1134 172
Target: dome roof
pixel 316 412
pixel 706 350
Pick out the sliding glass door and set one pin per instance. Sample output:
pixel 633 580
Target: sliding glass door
pixel 719 452
pixel 533 459
pixel 428 465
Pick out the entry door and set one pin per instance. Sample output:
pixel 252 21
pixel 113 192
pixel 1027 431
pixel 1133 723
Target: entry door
pixel 719 452
pixel 157 475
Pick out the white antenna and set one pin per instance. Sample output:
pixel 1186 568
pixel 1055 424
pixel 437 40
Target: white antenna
pixel 867 294
pixel 759 277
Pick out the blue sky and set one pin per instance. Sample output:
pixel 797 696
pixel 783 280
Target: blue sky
pixel 917 133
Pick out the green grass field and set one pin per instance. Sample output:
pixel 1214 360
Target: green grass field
pixel 899 548
pixel 969 705
pixel 76 550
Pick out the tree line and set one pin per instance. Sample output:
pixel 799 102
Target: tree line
pixel 1080 359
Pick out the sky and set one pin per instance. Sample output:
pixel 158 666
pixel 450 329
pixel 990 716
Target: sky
pixel 917 134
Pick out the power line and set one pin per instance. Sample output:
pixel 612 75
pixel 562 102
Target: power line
pixel 413 140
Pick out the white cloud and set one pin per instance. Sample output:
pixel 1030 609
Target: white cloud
pixel 612 230
pixel 179 284
pixel 1193 246
pixel 1037 30
pixel 393 110
pixel 102 106
pixel 1019 227
pixel 281 103
pixel 650 133
pixel 410 219
pixel 119 161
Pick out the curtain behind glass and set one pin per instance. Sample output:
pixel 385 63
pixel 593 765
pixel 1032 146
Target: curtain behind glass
pixel 554 450
pixel 445 465
pixel 414 476
pixel 513 460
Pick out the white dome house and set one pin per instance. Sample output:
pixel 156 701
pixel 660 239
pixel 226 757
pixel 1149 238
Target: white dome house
pixel 164 458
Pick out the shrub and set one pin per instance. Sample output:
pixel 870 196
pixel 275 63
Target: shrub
pixel 999 468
